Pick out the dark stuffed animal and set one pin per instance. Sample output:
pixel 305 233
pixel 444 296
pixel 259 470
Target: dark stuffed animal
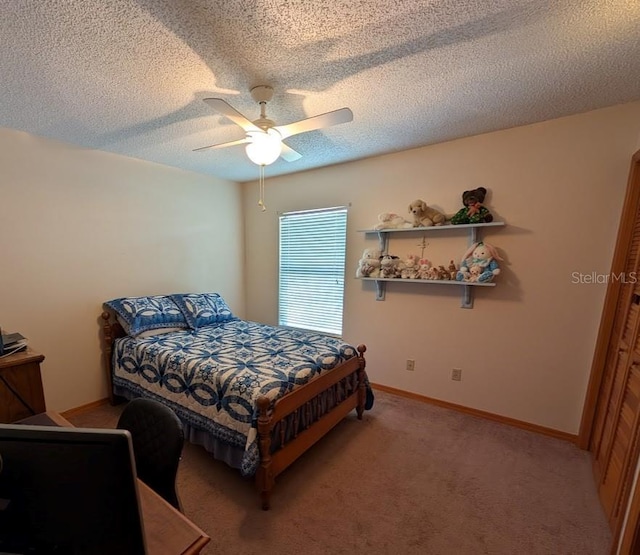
pixel 473 212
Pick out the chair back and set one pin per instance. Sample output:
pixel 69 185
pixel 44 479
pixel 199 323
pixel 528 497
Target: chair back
pixel 157 438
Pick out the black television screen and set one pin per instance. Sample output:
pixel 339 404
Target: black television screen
pixel 68 490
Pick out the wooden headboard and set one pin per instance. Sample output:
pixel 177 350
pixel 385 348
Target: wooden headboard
pixel 111 330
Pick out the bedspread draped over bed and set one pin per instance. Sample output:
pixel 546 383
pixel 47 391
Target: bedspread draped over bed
pixel 212 376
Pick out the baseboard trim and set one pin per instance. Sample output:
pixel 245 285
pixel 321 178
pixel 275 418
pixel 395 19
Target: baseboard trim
pixel 573 438
pixel 84 408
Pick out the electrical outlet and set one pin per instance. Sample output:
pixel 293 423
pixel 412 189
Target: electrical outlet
pixel 456 374
pixel 411 365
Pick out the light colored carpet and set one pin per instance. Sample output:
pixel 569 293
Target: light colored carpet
pixel 410 478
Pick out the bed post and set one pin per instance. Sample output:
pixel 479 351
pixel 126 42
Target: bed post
pixel 362 388
pixel 264 477
pixel 111 330
pixel 107 348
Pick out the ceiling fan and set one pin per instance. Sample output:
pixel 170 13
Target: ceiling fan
pixel 264 138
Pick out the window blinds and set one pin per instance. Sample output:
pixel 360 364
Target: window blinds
pixel 312 268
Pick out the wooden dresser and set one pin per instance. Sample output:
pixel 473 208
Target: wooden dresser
pixel 21 392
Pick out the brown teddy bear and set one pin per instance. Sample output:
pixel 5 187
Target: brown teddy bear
pixel 473 212
pixel 425 216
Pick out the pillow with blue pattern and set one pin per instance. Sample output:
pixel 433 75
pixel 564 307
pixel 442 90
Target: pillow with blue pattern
pixel 142 314
pixel 203 309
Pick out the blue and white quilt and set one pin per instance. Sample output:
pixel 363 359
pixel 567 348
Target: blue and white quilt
pixel 212 376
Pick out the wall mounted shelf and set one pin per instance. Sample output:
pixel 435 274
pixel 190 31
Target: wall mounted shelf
pixel 472 234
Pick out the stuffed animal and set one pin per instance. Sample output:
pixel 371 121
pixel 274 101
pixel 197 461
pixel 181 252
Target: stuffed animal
pixel 390 220
pixel 425 216
pixel 432 273
pixel 479 264
pixel 453 270
pixel 473 212
pixel 437 273
pixel 443 273
pixel 389 266
pixel 424 267
pixel 369 264
pixel 409 269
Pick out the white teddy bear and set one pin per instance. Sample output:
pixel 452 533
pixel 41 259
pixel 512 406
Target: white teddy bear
pixel 369 264
pixel 390 220
pixel 409 269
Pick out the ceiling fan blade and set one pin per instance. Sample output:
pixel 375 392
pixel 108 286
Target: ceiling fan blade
pixel 224 145
pixel 289 154
pixel 343 115
pixel 230 112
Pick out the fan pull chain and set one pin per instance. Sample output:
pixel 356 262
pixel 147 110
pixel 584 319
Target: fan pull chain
pixel 261 186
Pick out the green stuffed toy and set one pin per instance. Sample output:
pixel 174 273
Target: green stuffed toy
pixel 473 212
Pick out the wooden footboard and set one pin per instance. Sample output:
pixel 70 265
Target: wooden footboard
pixel 302 417
pixel 298 420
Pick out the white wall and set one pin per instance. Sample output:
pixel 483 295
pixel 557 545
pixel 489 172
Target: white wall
pixel 526 347
pixel 79 227
pixel 72 220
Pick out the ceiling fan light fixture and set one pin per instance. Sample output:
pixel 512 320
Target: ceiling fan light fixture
pixel 265 147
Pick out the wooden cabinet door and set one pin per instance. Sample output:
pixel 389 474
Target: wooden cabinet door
pixel 616 422
pixel 614 444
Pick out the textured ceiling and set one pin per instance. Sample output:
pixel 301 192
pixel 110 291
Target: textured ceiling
pixel 129 76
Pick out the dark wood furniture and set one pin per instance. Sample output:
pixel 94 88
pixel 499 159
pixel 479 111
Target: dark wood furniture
pixel 21 393
pixel 282 436
pixel 166 530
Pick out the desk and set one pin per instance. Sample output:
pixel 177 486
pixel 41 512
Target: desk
pixel 167 531
pixel 21 392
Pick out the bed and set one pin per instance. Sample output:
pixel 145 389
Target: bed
pixel 253 395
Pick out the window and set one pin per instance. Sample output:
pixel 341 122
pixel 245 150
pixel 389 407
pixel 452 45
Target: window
pixel 312 265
